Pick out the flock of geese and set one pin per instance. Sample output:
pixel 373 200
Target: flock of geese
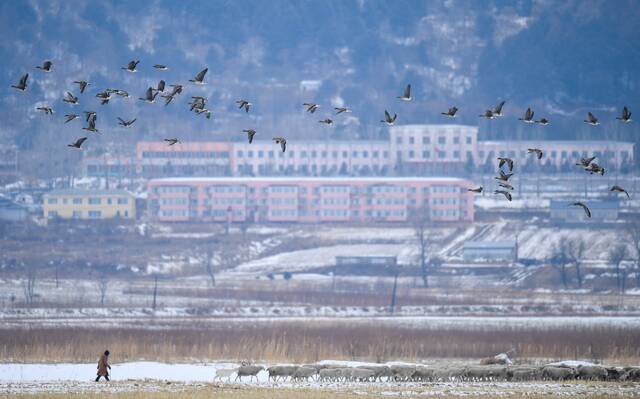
pixel 198 106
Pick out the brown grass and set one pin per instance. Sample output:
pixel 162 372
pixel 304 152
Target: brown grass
pixel 312 341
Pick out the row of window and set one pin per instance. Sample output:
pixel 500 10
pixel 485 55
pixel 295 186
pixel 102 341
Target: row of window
pixel 225 201
pixel 173 212
pixel 174 201
pixel 90 201
pixel 282 201
pixel 427 154
pixel 441 140
pixel 185 154
pixel 283 212
pixel 90 214
pixel 554 154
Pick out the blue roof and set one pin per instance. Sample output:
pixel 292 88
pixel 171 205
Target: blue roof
pixel 505 244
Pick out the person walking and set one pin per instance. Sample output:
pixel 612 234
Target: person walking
pixel 103 365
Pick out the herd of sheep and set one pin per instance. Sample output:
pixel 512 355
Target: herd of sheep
pixel 371 373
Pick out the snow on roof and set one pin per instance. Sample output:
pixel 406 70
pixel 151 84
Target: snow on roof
pixel 505 244
pixel 80 191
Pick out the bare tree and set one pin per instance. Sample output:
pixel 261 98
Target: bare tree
pixel 633 229
pixel 29 283
pixel 617 253
pixel 102 283
pixel 208 266
pixel 574 253
pixel 395 271
pixel 559 260
pixel 155 291
pixel 420 221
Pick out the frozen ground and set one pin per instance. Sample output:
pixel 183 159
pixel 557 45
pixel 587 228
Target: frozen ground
pixel 156 377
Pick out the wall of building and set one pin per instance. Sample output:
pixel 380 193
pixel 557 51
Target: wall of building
pixel 308 200
pixel 89 204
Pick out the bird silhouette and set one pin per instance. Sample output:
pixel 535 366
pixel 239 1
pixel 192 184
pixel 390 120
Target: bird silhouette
pixel 584 207
pixel 406 96
pixel 497 111
pixel 282 141
pixel 70 117
pixel 244 104
pixel 83 85
pixel 77 143
pixel 340 110
pixel 160 67
pixel 150 96
pixel 311 107
pixel 528 116
pixel 591 119
pixel 619 189
pixel 626 115
pixel 22 85
pixel 537 151
pixel 131 66
pixel 505 160
pixel 199 78
pixel 70 99
pixel 327 121
pixel 505 193
pixel 388 119
pixel 488 114
pixel 172 141
pixel 47 66
pixel 451 113
pixel 476 190
pixel 250 133
pixel 124 123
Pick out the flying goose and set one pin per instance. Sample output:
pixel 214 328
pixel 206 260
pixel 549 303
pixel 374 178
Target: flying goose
pixel 83 85
pixel 204 111
pixel 503 176
pixel 497 111
pixel 591 119
pixel 583 206
pixel 595 168
pixel 537 151
pixel 160 67
pixel 121 93
pixel 505 193
pixel 388 119
pixel 584 162
pixel 476 190
pixel 528 116
pixel 46 109
pixel 70 98
pixel 199 78
pixel 327 121
pixel 46 66
pixel 505 160
pixel 70 117
pixel 160 87
pixel 244 104
pixel 250 133
pixel 542 121
pixel 77 143
pixel 124 123
pixel 282 141
pixel 92 126
pixel 172 141
pixel 90 115
pixel 198 103
pixel 506 185
pixel 311 107
pixel 619 189
pixel 22 85
pixel 451 113
pixel 340 110
pixel 488 114
pixel 150 96
pixel 626 115
pixel 104 97
pixel 406 96
pixel 131 66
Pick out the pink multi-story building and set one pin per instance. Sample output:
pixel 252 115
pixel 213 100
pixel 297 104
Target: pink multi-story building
pixel 309 199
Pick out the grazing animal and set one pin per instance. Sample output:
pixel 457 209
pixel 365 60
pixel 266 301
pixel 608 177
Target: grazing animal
pixel 592 372
pixel 277 372
pixel 558 373
pixel 248 371
pixel 523 373
pixel 304 373
pixel 224 373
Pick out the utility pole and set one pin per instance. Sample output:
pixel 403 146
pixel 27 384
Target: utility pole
pixel 394 291
pixel 155 291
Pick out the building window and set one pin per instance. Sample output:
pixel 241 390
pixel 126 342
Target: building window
pixel 52 201
pixel 426 140
pixel 77 201
pixel 468 139
pixel 94 201
pixel 456 154
pixel 441 154
pixel 411 154
pixel 109 200
pixel 77 214
pixel 260 154
pixel 412 140
pixel 399 140
pixel 240 154
pixel 426 154
pixel 126 214
pixel 123 201
pixel 52 214
pixel 250 154
pixel 95 214
pixel 442 140
pixel 456 140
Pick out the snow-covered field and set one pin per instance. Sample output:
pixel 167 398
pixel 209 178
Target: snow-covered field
pixel 157 377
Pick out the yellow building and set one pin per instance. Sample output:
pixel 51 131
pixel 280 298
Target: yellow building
pixel 89 204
